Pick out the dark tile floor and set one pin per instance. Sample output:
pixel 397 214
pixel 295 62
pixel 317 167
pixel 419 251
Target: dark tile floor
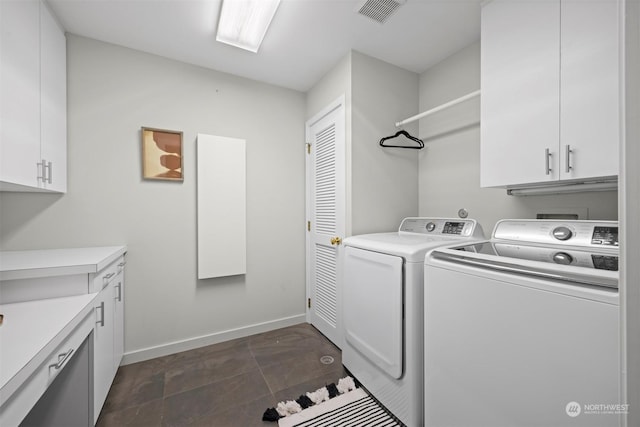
pixel 229 384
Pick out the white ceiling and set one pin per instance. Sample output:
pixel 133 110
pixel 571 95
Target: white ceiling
pixel 305 40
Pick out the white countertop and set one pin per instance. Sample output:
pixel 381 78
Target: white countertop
pixel 31 331
pixel 56 262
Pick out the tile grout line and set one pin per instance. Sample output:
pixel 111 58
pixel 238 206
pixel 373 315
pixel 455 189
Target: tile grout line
pixel 260 369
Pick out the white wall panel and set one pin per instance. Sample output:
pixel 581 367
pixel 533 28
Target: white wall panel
pixel 222 206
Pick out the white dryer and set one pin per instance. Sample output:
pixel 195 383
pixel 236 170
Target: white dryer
pixel 383 308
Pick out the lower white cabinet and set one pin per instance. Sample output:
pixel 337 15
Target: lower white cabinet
pixel 102 348
pixel 60 288
pixel 66 401
pixel 45 365
pixel 118 317
pixel 108 332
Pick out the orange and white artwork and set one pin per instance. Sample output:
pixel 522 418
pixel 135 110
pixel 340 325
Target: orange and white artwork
pixel 161 154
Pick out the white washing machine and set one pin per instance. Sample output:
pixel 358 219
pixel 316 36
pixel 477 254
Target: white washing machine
pixel 523 330
pixel 383 308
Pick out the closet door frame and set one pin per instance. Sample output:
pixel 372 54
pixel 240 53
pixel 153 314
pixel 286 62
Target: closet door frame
pixel 325 146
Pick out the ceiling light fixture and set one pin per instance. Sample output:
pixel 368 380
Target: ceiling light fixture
pixel 244 23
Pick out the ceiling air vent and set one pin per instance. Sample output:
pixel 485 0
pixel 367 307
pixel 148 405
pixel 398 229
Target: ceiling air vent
pixel 379 10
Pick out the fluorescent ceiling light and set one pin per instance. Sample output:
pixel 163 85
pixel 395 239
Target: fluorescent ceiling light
pixel 243 23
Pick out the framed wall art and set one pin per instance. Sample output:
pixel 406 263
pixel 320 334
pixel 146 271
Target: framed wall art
pixel 161 154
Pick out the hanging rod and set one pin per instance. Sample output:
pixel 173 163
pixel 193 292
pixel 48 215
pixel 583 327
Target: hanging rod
pixel 438 108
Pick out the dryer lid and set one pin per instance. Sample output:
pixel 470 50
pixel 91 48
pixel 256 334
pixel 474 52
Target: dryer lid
pixel 412 248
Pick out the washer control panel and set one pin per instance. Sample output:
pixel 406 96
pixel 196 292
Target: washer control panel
pixel 601 234
pixel 599 260
pixel 442 227
pixel 605 235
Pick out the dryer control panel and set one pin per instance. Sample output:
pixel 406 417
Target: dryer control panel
pixel 442 227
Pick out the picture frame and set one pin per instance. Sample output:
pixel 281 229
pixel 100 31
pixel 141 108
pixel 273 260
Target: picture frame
pixel 162 154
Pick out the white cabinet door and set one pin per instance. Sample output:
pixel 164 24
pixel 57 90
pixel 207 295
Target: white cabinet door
pixel 53 101
pixel 19 92
pixel 118 318
pixel 519 103
pixel 103 348
pixel 589 89
pixel 549 91
pixel 33 105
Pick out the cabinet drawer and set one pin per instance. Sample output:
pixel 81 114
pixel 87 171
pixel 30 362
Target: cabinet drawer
pixel 105 276
pixel 19 405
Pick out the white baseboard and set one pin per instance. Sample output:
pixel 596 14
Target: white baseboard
pixel 192 343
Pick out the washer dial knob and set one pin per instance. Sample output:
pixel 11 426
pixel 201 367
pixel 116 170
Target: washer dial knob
pixel 562 258
pixel 562 233
pixel 431 226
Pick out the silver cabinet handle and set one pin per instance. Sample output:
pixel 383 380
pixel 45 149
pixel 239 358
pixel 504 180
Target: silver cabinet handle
pixel 568 159
pixel 61 359
pixel 119 297
pixel 42 170
pixel 46 171
pixel 101 321
pixel 49 172
pixel 106 278
pixel 547 157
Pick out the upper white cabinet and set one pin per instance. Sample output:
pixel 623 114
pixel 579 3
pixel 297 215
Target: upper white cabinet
pixel 33 104
pixel 53 101
pixel 589 91
pixel 549 107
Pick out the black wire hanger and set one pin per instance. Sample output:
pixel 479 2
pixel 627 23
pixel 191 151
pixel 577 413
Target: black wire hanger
pixel 405 133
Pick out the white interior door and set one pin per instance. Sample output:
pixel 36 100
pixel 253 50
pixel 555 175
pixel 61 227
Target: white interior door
pixel 325 135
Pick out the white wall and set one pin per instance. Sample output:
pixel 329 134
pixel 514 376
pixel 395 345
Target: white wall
pixel 449 168
pixel 335 83
pixel 381 182
pixel 112 92
pixel 384 180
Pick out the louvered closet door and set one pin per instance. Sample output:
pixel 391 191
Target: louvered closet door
pixel 326 216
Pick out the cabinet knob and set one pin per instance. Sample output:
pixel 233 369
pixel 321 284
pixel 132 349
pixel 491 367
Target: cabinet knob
pixel 336 240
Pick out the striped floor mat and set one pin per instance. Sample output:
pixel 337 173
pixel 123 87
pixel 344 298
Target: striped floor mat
pixel 353 409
